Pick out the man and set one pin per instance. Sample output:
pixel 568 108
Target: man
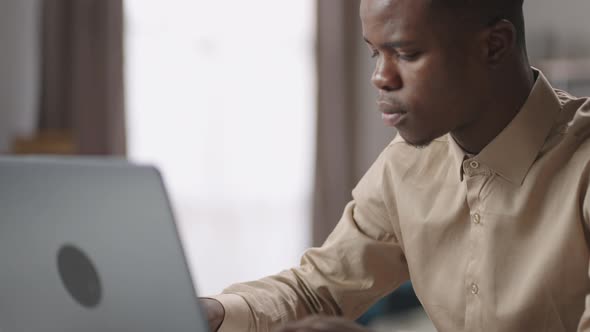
pixel 482 199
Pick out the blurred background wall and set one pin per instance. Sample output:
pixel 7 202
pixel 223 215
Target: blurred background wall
pixel 337 132
pixel 557 29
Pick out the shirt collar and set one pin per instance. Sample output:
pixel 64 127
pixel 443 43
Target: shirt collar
pixel 458 154
pixel 512 153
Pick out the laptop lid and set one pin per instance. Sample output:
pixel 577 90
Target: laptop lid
pixel 90 245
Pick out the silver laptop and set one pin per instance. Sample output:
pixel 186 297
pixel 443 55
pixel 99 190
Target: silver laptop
pixel 90 245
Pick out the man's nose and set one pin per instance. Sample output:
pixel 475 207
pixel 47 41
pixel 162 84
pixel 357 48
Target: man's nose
pixel 386 75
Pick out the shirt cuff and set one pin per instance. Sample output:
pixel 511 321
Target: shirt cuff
pixel 238 317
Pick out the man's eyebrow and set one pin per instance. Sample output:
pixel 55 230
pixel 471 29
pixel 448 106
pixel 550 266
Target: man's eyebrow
pixel 393 44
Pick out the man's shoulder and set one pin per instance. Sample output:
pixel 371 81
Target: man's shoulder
pixel 571 133
pixel 575 114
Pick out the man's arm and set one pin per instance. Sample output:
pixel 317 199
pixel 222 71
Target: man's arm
pixel 585 320
pixel 214 311
pixel 361 261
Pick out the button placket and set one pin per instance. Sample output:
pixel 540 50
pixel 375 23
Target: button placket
pixel 477 175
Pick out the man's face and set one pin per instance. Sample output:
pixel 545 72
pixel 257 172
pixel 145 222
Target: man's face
pixel 427 71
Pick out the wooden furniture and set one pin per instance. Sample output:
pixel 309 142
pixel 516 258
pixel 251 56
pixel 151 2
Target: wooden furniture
pixel 47 142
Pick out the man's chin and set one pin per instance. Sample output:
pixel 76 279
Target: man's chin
pixel 418 143
pixel 421 145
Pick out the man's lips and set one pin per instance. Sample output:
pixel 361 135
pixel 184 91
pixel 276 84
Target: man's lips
pixel 391 113
pixel 386 106
pixel 392 119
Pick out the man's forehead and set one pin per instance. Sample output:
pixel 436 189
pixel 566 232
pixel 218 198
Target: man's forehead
pixel 374 11
pixel 383 7
pixel 393 14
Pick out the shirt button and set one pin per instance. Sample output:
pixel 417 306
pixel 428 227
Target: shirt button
pixel 474 164
pixel 474 289
pixel 476 218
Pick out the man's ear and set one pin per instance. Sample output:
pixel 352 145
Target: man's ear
pixel 499 40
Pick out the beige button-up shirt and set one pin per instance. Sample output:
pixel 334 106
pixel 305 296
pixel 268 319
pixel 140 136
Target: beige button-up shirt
pixel 495 242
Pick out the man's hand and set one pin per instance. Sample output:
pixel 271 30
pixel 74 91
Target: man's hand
pixel 214 311
pixel 322 324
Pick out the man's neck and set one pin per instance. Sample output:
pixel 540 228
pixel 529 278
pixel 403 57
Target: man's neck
pixel 507 103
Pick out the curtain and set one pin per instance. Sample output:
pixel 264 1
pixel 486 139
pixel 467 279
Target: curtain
pixel 82 92
pixel 334 176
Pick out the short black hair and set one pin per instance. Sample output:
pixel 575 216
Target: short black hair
pixel 487 12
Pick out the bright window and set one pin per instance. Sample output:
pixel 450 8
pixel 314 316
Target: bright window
pixel 221 97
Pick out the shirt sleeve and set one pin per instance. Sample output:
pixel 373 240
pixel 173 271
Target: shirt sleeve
pixel 584 324
pixel 585 320
pixel 361 261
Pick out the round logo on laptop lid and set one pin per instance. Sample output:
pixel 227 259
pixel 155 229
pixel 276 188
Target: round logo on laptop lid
pixel 79 276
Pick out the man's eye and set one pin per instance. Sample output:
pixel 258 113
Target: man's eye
pixel 408 56
pixel 374 53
